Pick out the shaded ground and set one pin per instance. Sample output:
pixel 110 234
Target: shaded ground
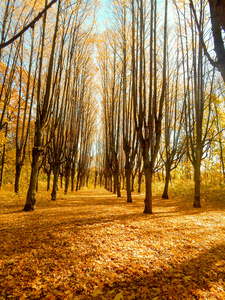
pixel 92 245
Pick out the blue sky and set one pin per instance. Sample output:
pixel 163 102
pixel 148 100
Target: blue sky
pixel 102 14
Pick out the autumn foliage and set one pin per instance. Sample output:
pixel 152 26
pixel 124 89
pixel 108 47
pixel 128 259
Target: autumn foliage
pixel 136 108
pixel 93 245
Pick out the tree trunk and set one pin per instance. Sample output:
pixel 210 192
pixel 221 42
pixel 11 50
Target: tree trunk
pixel 166 186
pixel 67 179
pixel 31 194
pixel 61 180
pixel 106 181
pixel 17 177
pixel 117 183
pixel 3 157
pixel 78 180
pixel 96 176
pixel 72 178
pixel 197 166
pixel 110 184
pixel 87 181
pixel 114 183
pixel 128 188
pixel 48 179
pixel 37 178
pixel 55 182
pixel 148 190
pixel 139 181
pixel 132 182
pixel 2 165
pixel 100 179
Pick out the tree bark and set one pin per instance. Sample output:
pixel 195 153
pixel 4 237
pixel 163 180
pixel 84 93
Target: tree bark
pixel 139 180
pixel 148 191
pixel 165 192
pixel 55 182
pixel 17 177
pixel 36 162
pixel 78 180
pixel 197 176
pixel 3 157
pixel 132 181
pixel 67 179
pixel 128 187
pixel 2 165
pixel 72 178
pixel 48 179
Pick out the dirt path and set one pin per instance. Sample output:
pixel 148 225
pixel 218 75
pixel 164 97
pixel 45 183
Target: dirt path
pixel 92 245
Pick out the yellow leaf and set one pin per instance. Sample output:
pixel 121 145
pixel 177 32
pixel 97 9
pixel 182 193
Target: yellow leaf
pixel 96 293
pixel 144 290
pixel 187 277
pixel 119 296
pixel 50 297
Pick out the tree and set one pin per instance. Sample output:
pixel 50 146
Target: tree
pixel 130 141
pixel 148 108
pixel 173 147
pixel 24 111
pixel 111 85
pixel 198 100
pixel 43 111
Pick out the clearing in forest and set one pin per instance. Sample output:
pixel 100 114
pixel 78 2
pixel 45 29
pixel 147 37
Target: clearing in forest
pixel 93 245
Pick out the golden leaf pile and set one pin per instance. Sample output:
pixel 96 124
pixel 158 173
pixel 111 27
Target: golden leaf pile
pixel 92 245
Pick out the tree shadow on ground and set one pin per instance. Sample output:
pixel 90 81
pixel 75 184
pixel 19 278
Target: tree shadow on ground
pixel 187 280
pixel 49 229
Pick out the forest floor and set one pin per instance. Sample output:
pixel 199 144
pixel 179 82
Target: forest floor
pixel 93 245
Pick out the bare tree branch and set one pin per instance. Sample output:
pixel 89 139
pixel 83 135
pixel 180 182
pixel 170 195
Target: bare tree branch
pixel 30 25
pixel 217 35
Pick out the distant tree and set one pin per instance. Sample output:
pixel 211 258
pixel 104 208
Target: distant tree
pixel 173 144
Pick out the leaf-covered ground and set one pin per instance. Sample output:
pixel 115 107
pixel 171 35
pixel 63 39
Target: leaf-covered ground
pixel 92 245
